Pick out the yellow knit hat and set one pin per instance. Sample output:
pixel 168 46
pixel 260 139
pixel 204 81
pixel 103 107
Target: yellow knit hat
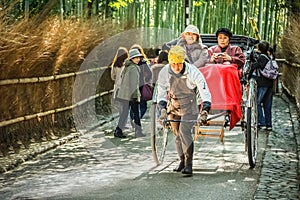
pixel 176 55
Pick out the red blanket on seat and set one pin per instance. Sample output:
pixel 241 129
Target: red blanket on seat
pixel 225 88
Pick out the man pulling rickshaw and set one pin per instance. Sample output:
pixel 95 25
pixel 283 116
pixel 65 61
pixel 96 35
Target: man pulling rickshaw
pixel 176 92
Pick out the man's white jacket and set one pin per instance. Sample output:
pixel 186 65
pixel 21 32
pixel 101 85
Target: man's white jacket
pixel 194 78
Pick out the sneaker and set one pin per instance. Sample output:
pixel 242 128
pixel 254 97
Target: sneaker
pixel 118 133
pixel 262 127
pixel 269 128
pixel 138 133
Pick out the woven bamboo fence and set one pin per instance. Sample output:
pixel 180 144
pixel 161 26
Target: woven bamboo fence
pixel 291 80
pixel 40 108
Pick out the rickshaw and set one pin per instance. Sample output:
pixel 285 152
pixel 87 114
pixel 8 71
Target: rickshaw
pixel 239 112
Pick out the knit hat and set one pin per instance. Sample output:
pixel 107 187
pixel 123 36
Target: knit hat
pixel 224 31
pixel 192 29
pixel 134 53
pixel 176 55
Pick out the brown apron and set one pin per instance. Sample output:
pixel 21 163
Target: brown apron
pixel 183 105
pixel 182 99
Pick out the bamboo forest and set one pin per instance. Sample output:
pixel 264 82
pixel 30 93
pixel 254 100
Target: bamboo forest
pixel 263 19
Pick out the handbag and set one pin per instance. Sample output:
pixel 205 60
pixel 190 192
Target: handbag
pixel 147 92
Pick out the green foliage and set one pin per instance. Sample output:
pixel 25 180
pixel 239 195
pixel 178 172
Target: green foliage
pixel 208 15
pixel 119 3
pixel 198 3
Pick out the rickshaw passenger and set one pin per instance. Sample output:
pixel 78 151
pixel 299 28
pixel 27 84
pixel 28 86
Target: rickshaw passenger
pixel 179 79
pixel 224 52
pixel 190 40
pixel 196 52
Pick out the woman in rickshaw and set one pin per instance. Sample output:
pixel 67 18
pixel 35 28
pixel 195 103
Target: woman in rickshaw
pixel 190 41
pixel 223 52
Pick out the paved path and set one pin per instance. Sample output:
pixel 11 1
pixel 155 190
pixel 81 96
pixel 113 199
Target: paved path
pixel 276 180
pixel 280 171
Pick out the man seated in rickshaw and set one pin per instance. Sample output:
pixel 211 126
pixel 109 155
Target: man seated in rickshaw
pixel 223 52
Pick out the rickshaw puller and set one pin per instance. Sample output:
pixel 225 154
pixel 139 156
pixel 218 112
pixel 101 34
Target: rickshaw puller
pixel 180 80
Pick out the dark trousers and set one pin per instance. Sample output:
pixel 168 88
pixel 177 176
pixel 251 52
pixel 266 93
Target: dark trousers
pixel 124 109
pixel 264 106
pixel 142 109
pixel 183 137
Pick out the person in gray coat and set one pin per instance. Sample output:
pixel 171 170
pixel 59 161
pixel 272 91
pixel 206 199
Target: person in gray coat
pixel 190 40
pixel 196 52
pixel 128 94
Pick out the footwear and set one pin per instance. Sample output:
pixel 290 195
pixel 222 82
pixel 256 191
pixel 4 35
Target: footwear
pixel 137 135
pixel 262 127
pixel 179 167
pixel 188 170
pixel 227 120
pixel 269 128
pixel 118 133
pixel 138 132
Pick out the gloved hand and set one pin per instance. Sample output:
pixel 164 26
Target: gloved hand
pixel 163 115
pixel 202 118
pixel 162 111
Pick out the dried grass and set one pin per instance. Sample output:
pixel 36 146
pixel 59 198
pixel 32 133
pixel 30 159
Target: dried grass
pixel 290 41
pixel 30 49
pixel 52 47
pixel 291 50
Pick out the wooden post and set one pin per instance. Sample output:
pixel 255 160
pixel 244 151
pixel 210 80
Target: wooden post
pixel 187 12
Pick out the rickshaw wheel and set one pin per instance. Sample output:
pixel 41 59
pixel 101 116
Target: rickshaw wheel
pixel 159 136
pixel 251 125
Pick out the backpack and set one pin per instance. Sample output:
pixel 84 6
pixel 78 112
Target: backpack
pixel 271 69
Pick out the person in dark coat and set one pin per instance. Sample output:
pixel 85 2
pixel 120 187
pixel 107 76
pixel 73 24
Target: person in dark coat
pixel 196 52
pixel 264 87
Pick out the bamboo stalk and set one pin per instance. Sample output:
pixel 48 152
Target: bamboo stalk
pixel 49 78
pixel 50 112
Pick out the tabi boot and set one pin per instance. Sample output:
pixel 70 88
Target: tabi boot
pixel 118 133
pixel 180 166
pixel 188 169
